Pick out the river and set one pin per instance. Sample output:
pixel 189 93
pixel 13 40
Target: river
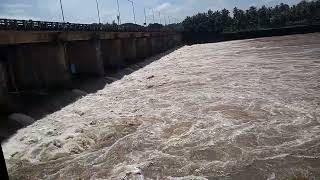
pixel 247 109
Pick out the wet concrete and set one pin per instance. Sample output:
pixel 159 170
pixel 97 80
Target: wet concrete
pixel 246 109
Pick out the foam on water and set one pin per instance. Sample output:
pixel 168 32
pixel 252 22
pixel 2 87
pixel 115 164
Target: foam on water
pixel 233 110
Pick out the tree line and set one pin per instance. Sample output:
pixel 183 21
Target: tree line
pixel 282 15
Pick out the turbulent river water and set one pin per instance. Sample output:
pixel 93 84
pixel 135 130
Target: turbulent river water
pixel 246 109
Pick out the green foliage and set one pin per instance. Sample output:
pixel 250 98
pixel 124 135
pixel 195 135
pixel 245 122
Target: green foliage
pixel 155 26
pixel 304 13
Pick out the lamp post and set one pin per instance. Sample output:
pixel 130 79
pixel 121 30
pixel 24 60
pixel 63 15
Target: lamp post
pixel 152 14
pixel 177 20
pixel 62 11
pixel 159 18
pixel 98 11
pixel 145 17
pixel 134 14
pixel 119 16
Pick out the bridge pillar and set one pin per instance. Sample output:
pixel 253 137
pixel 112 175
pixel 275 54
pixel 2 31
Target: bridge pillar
pixel 166 42
pixel 149 46
pixel 163 46
pixel 41 65
pixel 177 38
pixel 3 88
pixel 157 45
pixel 112 54
pixel 128 46
pixel 142 48
pixel 85 57
pixel 171 42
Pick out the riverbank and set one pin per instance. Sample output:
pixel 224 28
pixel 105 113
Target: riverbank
pixel 209 37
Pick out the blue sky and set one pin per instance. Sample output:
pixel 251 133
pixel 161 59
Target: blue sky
pixel 84 11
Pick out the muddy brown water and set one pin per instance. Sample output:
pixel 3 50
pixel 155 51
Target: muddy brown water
pixel 247 109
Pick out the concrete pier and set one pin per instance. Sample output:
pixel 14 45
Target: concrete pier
pixel 142 48
pixel 171 42
pixel 41 65
pixel 111 53
pixel 129 50
pixel 177 38
pixel 85 57
pixel 3 88
pixel 156 45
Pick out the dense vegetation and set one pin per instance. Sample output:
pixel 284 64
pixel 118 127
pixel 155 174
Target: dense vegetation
pixel 304 13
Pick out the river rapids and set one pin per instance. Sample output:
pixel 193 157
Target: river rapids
pixel 247 109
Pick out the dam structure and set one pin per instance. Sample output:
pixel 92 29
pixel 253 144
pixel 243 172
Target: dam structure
pixel 47 55
pixel 245 109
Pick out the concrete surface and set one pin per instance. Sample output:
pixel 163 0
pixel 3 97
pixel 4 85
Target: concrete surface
pixel 86 56
pixel 41 65
pixel 3 88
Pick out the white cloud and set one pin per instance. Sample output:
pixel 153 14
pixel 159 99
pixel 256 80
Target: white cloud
pixel 15 6
pixel 163 7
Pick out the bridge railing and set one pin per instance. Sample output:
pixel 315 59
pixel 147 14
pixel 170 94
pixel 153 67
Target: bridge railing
pixel 30 25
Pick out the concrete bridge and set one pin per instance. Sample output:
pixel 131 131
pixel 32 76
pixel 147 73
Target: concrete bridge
pixel 49 59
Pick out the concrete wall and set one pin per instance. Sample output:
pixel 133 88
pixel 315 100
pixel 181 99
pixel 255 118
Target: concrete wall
pixel 40 65
pixel 86 57
pixel 50 59
pixel 142 48
pixel 177 39
pixel 112 53
pixel 129 50
pixel 156 45
pixel 3 87
pixel 208 37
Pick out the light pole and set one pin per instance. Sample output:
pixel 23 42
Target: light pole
pixel 159 18
pixel 119 16
pixel 62 11
pixel 177 20
pixel 152 14
pixel 145 17
pixel 134 14
pixel 98 11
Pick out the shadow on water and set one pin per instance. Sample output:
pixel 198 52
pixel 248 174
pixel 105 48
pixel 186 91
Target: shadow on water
pixel 40 103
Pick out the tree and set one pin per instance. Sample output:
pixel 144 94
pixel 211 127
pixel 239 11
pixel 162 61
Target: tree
pixel 252 18
pixel 226 20
pixel 239 19
pixel 263 17
pixel 305 12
